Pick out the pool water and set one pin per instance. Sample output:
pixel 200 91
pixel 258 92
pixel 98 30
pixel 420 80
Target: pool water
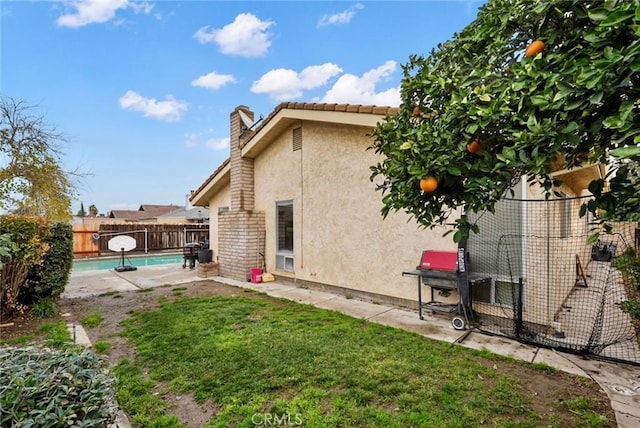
pixel 110 263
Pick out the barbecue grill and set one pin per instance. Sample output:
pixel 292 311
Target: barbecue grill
pixel 444 272
pixel 190 253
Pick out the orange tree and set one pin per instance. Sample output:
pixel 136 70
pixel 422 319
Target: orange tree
pixel 574 101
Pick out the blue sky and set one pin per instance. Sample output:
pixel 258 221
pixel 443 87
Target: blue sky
pixel 143 90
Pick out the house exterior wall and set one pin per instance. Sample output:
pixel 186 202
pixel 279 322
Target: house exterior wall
pixel 220 200
pixel 340 237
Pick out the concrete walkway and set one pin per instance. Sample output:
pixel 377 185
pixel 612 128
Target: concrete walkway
pixel 620 382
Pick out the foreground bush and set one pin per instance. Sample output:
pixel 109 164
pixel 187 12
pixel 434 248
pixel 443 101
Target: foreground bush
pixel 29 235
pixel 54 387
pixel 49 278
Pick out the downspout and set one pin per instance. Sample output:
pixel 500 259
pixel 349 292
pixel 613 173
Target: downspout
pixel 301 202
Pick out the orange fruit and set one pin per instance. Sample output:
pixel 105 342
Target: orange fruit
pixel 534 48
pixel 474 146
pixel 429 184
pixel 416 111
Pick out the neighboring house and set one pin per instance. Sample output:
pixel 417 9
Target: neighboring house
pixel 144 213
pixel 186 215
pixel 152 214
pixel 157 227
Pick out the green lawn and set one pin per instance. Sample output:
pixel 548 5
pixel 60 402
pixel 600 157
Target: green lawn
pixel 257 355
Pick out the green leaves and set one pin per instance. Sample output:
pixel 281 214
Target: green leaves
pixel 51 388
pixel 578 96
pixel 617 17
pixel 626 152
pixel 32 180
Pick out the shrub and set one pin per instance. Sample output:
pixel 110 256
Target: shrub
pixel 45 308
pixel 49 278
pixel 629 265
pixel 54 387
pixel 632 307
pixel 29 234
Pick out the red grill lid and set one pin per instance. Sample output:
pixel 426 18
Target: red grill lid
pixel 439 260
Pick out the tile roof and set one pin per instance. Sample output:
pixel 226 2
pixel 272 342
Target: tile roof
pixel 156 210
pixel 145 211
pixel 341 108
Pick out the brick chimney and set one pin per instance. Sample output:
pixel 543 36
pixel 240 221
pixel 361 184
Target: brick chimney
pixel 242 193
pixel 241 230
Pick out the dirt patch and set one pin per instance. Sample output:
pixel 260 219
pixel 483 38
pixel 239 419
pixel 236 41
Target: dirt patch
pixel 114 307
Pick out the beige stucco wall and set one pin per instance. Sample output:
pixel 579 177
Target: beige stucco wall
pixel 340 237
pixel 220 199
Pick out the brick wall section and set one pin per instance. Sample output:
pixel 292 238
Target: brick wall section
pixel 242 193
pixel 241 231
pixel 241 236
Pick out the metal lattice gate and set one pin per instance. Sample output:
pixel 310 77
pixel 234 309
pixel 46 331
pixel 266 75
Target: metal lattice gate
pixel 537 279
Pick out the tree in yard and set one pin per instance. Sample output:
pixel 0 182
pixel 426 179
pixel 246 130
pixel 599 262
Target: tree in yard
pixel 533 84
pixel 32 179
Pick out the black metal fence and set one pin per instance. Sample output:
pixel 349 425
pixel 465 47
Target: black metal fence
pixel 539 280
pixel 152 237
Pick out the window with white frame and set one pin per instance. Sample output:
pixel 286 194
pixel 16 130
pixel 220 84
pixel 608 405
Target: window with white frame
pixel 284 236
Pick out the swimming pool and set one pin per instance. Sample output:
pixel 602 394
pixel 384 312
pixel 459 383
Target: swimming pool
pixel 111 262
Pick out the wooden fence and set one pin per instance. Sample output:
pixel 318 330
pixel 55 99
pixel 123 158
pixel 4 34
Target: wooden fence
pixel 89 241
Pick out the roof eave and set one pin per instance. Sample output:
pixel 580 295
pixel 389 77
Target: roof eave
pixel 285 118
pixel 221 178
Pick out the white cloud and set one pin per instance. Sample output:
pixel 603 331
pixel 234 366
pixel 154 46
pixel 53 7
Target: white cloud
pixel 343 17
pixel 284 84
pixel 191 141
pixel 213 80
pixel 246 36
pixel 169 110
pixel 351 89
pixel 87 12
pixel 141 7
pixel 218 143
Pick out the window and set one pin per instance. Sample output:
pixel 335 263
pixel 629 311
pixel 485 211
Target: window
pixel 284 236
pixel 223 210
